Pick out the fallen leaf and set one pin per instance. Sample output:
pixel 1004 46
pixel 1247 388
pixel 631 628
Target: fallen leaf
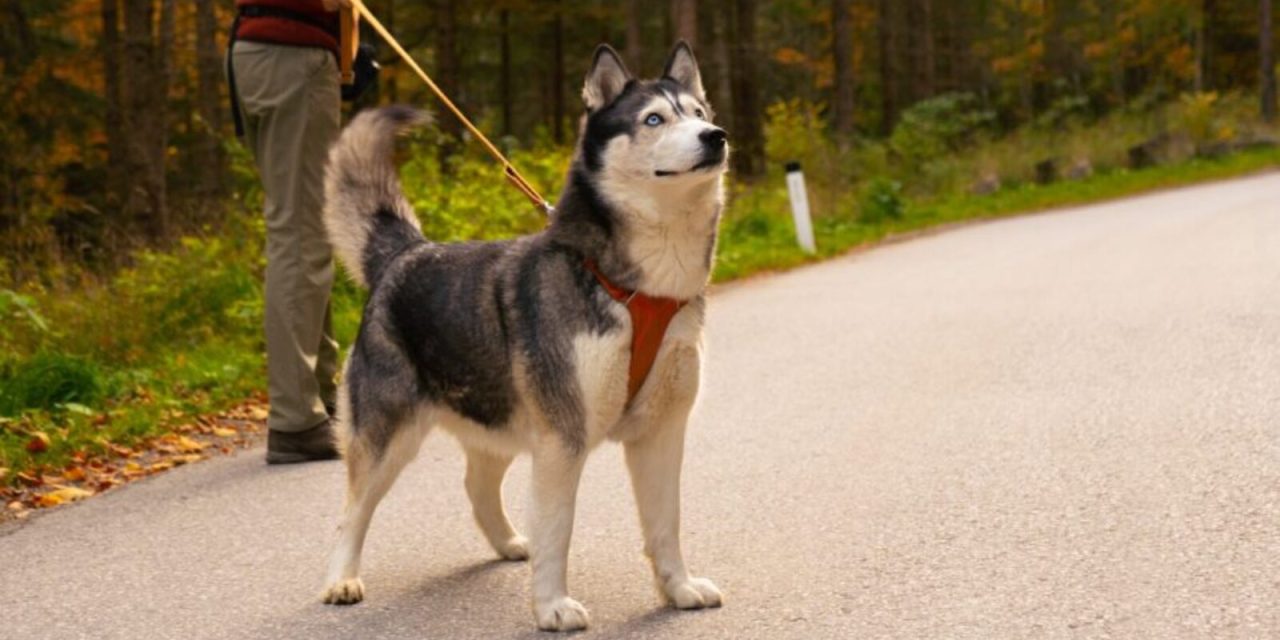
pixel 15 505
pixel 39 442
pixel 187 445
pixel 223 432
pixel 74 474
pixel 164 465
pixel 60 496
pixel 28 479
pixel 78 408
pixel 191 457
pixel 4 471
pixel 257 413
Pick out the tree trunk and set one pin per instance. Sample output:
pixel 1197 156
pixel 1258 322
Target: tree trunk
pixel 634 46
pixel 1119 65
pixel 557 76
pixel 721 86
pixel 684 17
pixel 886 35
pixel 113 118
pixel 842 50
pixel 748 157
pixel 449 74
pixel 146 93
pixel 1057 50
pixel 504 70
pixel 161 110
pixel 1266 60
pixel 926 63
pixel 387 80
pixel 1208 30
pixel 208 153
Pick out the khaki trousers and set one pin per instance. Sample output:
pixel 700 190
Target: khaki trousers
pixel 290 101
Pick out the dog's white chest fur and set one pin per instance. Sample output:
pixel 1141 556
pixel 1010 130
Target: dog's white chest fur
pixel 602 363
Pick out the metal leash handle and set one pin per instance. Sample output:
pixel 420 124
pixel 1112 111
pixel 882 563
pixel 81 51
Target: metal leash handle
pixel 508 169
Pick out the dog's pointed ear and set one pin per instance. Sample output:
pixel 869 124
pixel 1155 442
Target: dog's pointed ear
pixel 606 79
pixel 683 68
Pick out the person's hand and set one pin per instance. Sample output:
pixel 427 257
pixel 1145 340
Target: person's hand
pixel 334 5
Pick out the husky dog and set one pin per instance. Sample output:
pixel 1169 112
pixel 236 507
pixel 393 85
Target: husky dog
pixel 525 345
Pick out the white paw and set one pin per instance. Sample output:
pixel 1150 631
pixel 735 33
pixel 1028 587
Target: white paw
pixel 561 614
pixel 517 548
pixel 349 591
pixel 694 593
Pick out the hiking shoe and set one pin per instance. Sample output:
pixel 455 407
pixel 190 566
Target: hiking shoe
pixel 316 443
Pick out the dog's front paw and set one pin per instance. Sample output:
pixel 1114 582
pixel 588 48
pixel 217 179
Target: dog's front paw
pixel 561 614
pixel 348 591
pixel 694 593
pixel 517 548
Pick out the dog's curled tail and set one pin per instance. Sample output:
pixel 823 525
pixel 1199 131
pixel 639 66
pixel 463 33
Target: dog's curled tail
pixel 367 216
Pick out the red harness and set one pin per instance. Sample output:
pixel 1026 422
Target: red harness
pixel 650 317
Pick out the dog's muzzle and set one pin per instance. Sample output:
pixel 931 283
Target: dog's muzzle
pixel 714 147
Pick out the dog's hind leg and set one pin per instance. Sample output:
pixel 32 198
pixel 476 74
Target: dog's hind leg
pixel 485 472
pixel 370 473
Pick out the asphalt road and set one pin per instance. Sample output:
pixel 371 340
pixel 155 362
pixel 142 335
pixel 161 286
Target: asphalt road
pixel 1058 426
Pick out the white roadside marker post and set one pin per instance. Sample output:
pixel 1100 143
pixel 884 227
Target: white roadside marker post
pixel 800 207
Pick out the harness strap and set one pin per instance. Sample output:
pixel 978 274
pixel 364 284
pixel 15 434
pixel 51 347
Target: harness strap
pixel 650 317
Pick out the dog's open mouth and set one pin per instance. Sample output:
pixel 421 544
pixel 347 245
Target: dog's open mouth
pixel 710 162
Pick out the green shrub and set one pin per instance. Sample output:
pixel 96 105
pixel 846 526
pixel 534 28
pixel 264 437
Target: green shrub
pixel 937 126
pixel 795 131
pixel 881 201
pixel 1070 111
pixel 20 323
pixel 49 380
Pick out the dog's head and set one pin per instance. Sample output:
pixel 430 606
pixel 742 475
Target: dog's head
pixel 650 137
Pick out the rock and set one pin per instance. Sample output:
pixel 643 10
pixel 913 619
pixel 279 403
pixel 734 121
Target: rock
pixel 988 183
pixel 1080 169
pixel 1046 171
pixel 1216 149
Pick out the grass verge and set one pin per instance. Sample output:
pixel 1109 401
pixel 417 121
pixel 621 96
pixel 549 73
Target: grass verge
pixel 756 238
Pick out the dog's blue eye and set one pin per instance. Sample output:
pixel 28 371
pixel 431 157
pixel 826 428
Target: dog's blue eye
pixel 700 114
pixel 653 120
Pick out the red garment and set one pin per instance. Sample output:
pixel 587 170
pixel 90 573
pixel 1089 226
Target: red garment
pixel 278 30
pixel 650 318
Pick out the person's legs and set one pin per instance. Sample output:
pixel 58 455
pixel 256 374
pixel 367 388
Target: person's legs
pixel 290 98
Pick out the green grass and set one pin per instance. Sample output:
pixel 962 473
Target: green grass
pixel 113 362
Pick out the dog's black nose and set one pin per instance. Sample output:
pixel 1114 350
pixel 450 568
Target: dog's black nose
pixel 713 138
